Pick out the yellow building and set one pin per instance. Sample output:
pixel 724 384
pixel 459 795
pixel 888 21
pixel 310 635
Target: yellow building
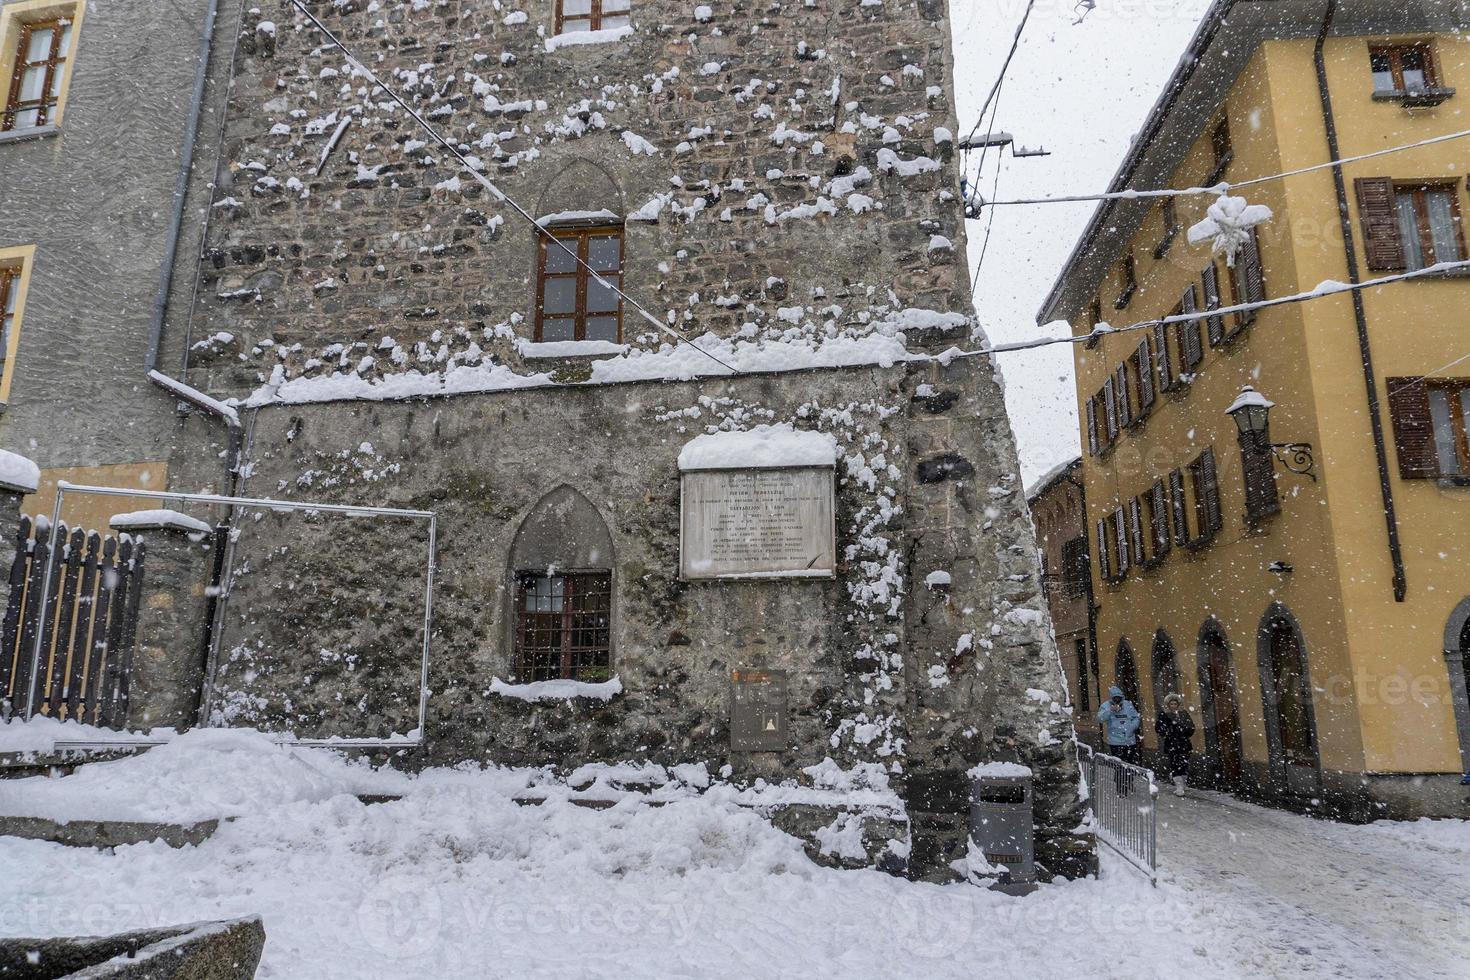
pixel 1306 588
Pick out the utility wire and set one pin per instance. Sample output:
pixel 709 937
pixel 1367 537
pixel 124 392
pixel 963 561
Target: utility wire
pixel 995 89
pixel 1225 186
pixel 1329 288
pixel 500 195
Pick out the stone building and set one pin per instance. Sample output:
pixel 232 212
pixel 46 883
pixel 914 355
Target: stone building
pixel 1059 510
pixel 775 185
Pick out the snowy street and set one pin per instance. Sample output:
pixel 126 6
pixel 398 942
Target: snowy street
pixel 457 879
pixel 1323 899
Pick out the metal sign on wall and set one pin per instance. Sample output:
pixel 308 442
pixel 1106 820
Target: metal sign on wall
pixel 758 711
pixel 758 523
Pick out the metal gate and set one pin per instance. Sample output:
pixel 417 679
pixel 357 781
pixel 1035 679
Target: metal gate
pixel 71 659
pixel 1125 805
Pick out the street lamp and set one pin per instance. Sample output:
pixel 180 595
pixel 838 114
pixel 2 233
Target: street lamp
pixel 1252 413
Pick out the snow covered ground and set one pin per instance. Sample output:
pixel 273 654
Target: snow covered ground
pixel 456 879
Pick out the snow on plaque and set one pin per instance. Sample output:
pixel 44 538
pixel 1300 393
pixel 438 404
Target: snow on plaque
pixel 758 504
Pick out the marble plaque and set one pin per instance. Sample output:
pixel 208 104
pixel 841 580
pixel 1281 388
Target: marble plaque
pixel 758 523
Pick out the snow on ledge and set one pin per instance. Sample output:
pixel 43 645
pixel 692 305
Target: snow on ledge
pixel 1006 769
pixel 764 447
pixel 577 38
pixel 18 473
pixel 41 735
pixel 569 348
pixel 558 690
pixel 172 520
pixel 576 218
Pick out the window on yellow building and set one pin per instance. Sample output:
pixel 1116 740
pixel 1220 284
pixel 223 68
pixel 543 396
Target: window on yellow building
pixel 36 44
pixel 1431 426
pixel 1409 225
pixel 1222 148
pixel 1402 67
pixel 1128 282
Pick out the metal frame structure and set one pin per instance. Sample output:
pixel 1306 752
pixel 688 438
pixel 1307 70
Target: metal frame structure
pixel 63 488
pixel 1129 828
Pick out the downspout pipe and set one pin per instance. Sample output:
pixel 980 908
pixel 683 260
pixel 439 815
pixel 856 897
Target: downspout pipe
pixel 1375 415
pixel 181 187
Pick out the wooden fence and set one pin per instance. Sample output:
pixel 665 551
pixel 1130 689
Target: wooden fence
pixel 87 629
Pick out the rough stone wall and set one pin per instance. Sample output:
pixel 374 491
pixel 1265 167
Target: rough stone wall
pixel 324 619
pixel 785 168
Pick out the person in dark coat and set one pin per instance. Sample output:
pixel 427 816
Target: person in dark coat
pixel 1175 728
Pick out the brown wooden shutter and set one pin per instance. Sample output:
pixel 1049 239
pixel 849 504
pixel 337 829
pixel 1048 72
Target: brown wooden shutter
pixel 1135 529
pixel 1254 272
pixel 1104 558
pixel 1159 501
pixel 1143 365
pixel 1413 428
pixel 1181 516
pixel 1191 352
pixel 1209 486
pixel 1379 214
pixel 1261 497
pixel 1092 444
pixel 1110 408
pixel 1125 403
pixel 1120 534
pixel 1161 357
pixel 1210 280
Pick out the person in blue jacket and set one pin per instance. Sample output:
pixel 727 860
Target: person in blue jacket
pixel 1120 721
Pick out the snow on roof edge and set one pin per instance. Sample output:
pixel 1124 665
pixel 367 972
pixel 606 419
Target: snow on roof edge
pixel 17 472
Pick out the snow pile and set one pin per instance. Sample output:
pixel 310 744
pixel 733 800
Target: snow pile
pixel 606 36
pixel 40 734
pixel 1229 222
pixel 18 473
pixel 557 690
pixel 151 519
pixel 762 447
pixel 202 774
pixel 1001 769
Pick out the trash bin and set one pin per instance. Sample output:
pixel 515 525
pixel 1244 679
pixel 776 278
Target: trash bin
pixel 1000 824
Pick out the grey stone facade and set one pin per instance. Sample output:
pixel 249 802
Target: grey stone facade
pixel 785 176
pixel 96 197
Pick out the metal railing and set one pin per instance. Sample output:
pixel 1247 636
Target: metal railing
pixel 1125 806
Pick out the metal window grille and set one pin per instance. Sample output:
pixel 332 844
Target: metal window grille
pixel 564 626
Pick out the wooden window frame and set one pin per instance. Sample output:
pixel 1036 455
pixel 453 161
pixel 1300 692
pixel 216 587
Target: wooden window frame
pixel 581 235
pixel 15 275
pixel 1210 292
pixel 593 17
pixel 1223 148
pixel 1247 285
pixel 1093 337
pixel 577 585
pixel 1191 348
pixel 1419 190
pixel 1170 215
pixel 1129 274
pixel 1395 53
pixel 1122 385
pixel 17 23
pixel 1415 438
pixel 1142 364
pixel 1204 479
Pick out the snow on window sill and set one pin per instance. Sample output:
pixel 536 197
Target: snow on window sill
pixel 30 133
pixel 570 348
pixel 1425 98
pixel 579 38
pixel 558 690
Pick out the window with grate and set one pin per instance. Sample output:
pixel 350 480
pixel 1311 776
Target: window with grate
pixel 570 303
pixel 574 16
pixel 563 626
pixel 40 70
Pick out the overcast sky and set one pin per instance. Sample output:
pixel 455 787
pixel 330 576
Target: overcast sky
pixel 1080 92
